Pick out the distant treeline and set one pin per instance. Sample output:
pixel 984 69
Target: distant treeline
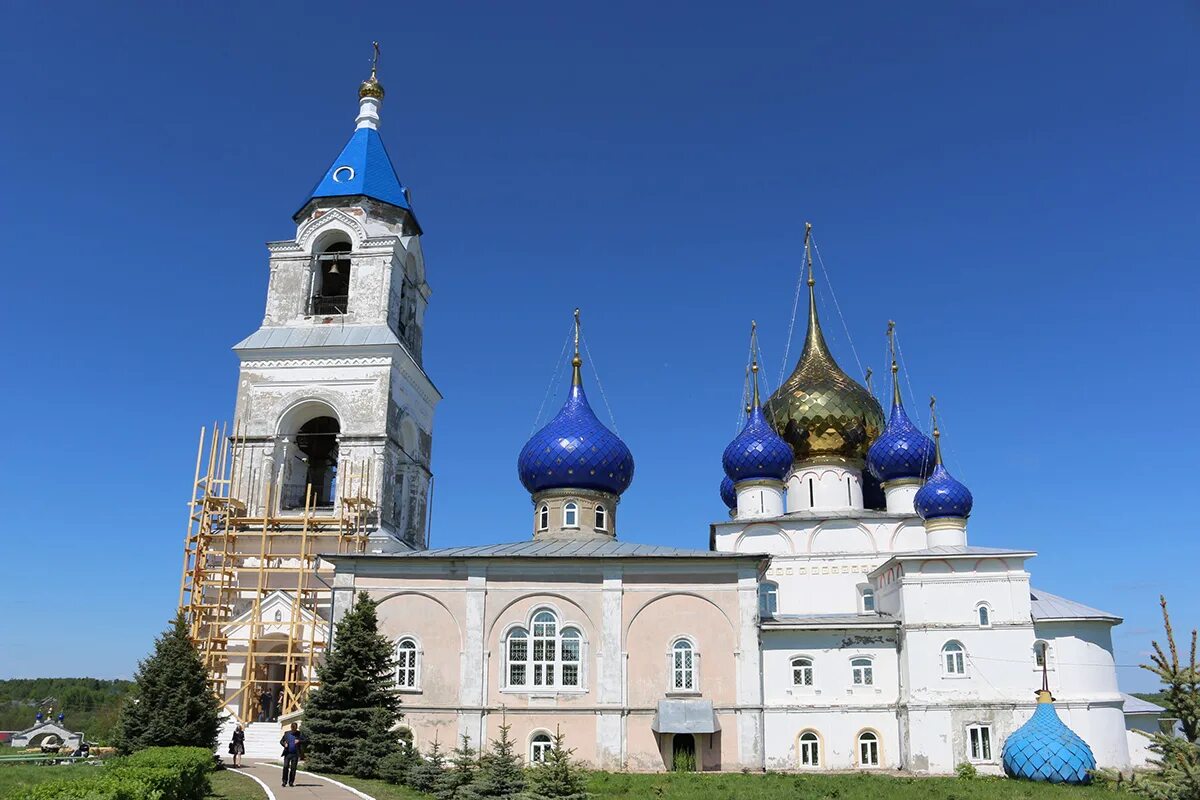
pixel 90 705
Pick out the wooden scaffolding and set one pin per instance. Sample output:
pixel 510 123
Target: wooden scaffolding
pixel 240 551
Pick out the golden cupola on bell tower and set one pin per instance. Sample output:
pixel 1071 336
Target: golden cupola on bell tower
pixel 820 411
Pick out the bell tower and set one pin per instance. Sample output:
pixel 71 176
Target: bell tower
pixel 334 375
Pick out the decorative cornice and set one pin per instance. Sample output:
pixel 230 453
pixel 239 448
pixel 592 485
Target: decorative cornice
pixel 378 361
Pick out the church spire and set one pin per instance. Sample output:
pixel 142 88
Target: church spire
pixel 370 95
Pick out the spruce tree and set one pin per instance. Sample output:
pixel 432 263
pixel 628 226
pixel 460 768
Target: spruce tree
pixel 1177 757
pixel 455 783
pixel 427 770
pixel 556 777
pixel 349 718
pixel 500 773
pixel 172 703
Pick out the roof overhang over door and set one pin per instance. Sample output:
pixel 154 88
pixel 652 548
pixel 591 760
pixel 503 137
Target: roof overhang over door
pixel 685 716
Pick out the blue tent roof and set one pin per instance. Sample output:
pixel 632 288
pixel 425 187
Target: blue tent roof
pixel 363 168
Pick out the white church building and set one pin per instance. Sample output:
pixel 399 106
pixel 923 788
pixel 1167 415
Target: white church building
pixel 838 618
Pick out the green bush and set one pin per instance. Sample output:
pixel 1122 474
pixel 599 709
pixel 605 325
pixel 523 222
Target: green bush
pixel 101 786
pixel 191 764
pixel 966 770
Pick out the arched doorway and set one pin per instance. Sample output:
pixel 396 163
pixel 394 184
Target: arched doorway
pixel 316 452
pixel 683 752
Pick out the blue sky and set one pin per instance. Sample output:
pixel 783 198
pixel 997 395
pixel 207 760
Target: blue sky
pixel 1013 183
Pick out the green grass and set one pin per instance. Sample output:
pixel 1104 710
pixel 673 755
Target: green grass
pixel 232 786
pixel 780 786
pixel 226 785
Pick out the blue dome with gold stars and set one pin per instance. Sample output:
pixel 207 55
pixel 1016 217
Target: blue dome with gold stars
pixel 902 450
pixel 758 452
pixel 1045 749
pixel 574 450
pixel 943 495
pixel 728 493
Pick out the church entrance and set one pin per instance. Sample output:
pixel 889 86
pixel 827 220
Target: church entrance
pixel 683 752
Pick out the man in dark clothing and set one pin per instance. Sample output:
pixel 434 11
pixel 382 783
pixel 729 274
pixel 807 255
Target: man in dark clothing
pixel 292 748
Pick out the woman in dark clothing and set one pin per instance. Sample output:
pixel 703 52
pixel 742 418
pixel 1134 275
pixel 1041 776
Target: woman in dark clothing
pixel 237 746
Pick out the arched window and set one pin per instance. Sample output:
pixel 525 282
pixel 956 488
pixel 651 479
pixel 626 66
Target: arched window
pixel 312 472
pixel 862 671
pixel 868 600
pixel 768 599
pixel 601 518
pixel 545 656
pixel 683 666
pixel 331 283
pixel 810 749
pixel 985 617
pixel 571 515
pixel 539 745
pixel 868 749
pixel 954 659
pixel 802 672
pixel 543 518
pixel 406 663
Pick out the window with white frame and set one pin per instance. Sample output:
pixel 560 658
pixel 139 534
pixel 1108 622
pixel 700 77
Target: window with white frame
pixel 868 749
pixel 802 672
pixel 571 515
pixel 683 666
pixel 979 742
pixel 954 659
pixel 546 656
pixel 862 672
pixel 543 518
pixel 406 663
pixel 601 518
pixel 985 615
pixel 768 599
pixel 868 600
pixel 810 749
pixel 539 746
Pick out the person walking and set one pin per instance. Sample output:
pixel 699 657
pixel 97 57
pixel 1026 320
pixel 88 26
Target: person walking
pixel 292 750
pixel 237 745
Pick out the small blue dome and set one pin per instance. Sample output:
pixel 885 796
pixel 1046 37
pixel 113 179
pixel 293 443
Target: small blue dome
pixel 1044 749
pixel 901 451
pixel 728 493
pixel 943 496
pixel 758 452
pixel 575 451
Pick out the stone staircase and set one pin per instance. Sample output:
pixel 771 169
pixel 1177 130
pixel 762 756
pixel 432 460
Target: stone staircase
pixel 262 741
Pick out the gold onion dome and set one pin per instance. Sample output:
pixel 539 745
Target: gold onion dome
pixel 820 410
pixel 371 87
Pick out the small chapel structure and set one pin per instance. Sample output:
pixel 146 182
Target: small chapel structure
pixel 834 616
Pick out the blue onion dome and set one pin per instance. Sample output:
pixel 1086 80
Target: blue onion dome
pixel 942 495
pixel 574 450
pixel 758 452
pixel 728 493
pixel 1045 749
pixel 902 450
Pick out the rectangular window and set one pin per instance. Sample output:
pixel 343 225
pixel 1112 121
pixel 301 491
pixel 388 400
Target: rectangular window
pixel 516 674
pixel 863 673
pixel 980 740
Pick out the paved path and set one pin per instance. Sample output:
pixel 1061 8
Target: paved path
pixel 308 786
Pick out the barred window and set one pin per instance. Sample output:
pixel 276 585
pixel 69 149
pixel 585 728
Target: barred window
pixel 546 656
pixel 802 672
pixel 406 664
pixel 683 662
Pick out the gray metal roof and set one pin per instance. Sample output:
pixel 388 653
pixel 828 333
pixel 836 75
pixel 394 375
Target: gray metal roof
pixel 830 621
pixel 1136 705
pixel 1046 606
pixel 289 337
pixel 560 548
pixel 685 716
